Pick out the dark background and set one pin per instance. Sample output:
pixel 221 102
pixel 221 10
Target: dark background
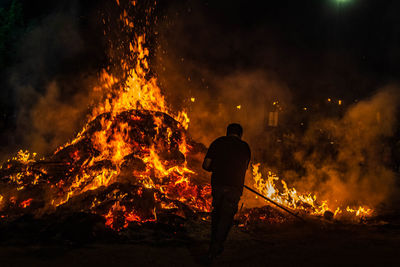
pixel 320 48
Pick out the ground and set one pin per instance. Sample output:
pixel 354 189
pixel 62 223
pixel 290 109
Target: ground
pixel 294 244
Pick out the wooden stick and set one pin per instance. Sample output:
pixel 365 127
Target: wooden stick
pixel 273 202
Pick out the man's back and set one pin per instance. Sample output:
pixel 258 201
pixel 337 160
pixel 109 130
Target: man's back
pixel 230 157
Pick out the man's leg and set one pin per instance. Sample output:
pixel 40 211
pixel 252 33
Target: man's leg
pixel 215 217
pixel 227 210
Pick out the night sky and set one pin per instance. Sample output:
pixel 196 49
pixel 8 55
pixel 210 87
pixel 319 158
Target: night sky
pixel 349 48
pixel 318 37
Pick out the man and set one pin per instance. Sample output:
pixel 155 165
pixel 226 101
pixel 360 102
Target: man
pixel 227 158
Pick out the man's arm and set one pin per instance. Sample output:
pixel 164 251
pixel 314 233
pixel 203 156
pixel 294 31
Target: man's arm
pixel 208 159
pixel 249 159
pixel 207 164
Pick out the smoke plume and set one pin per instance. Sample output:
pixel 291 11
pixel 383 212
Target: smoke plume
pixel 356 165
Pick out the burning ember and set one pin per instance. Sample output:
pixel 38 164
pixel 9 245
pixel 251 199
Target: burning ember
pixel 131 163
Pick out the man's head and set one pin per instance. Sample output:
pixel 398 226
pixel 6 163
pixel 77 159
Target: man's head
pixel 234 129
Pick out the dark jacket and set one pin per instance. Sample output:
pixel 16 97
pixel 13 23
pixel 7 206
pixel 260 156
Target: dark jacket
pixel 230 157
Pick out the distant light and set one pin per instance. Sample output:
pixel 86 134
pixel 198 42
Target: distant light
pixel 192 99
pixel 340 102
pixel 305 108
pixel 329 100
pixel 239 107
pixel 341 3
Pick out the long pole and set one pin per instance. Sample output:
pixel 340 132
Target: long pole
pixel 273 202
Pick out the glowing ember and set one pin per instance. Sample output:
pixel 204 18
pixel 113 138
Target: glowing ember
pixel 26 203
pixel 118 217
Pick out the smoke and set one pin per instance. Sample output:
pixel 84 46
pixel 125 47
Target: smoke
pixel 215 100
pixel 51 83
pixel 51 121
pixel 349 160
pixel 241 97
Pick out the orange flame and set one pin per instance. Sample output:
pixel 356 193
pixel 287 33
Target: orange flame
pixel 26 203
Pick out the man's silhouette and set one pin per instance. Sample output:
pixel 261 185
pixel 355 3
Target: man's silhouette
pixel 227 158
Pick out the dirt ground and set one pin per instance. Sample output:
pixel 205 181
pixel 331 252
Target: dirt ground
pixel 294 244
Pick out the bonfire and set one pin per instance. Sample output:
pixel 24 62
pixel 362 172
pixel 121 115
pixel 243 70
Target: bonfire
pixel 135 163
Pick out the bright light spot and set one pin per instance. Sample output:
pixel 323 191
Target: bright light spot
pixel 329 100
pixel 239 107
pixel 304 108
pixel 340 102
pixel 192 99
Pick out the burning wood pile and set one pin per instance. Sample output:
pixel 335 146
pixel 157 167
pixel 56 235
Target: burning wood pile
pixel 132 167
